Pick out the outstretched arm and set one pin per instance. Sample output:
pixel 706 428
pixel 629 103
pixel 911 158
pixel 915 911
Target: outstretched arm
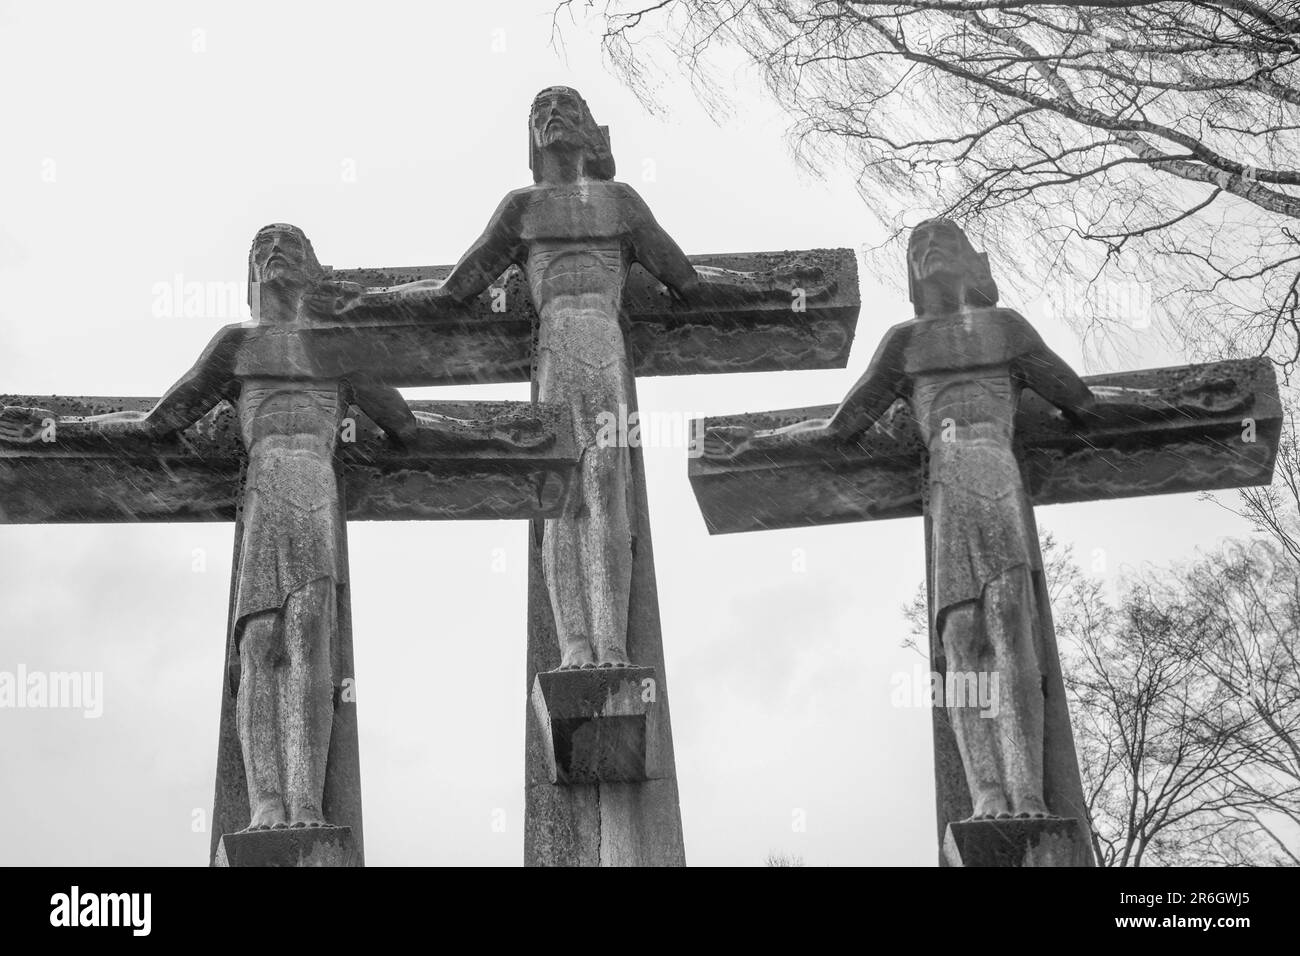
pixel 499 247
pixel 883 383
pixel 193 396
pixel 660 255
pixel 433 431
pixel 386 407
pixel 1102 405
pixel 200 389
pixel 1051 377
pixel 658 252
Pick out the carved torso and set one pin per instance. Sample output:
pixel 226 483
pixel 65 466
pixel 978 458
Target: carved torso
pixel 292 515
pixel 964 394
pixel 578 249
pixel 962 372
pixel 578 253
pixel 284 404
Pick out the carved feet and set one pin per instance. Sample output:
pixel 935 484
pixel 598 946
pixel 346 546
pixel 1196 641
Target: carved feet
pixel 996 806
pixel 578 655
pixel 270 815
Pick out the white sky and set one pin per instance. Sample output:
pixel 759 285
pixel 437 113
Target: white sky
pixel 164 161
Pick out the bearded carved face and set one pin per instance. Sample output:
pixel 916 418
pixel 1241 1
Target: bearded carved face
pixel 281 258
pixel 560 120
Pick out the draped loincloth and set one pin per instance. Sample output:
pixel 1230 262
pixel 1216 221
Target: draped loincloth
pixel 979 521
pixel 293 525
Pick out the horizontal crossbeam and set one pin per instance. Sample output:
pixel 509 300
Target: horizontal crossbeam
pixel 196 475
pixel 880 474
pixel 479 344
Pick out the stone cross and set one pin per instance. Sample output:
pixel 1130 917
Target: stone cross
pixel 584 291
pixel 964 416
pixel 282 428
pixel 599 775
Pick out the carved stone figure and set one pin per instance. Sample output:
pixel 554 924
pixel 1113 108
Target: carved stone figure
pixel 575 233
pixel 291 400
pixel 961 364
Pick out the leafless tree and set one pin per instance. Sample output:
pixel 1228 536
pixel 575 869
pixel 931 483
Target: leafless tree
pixel 1246 598
pixel 1158 784
pixel 782 859
pixel 1274 509
pixel 1139 160
pixel 1185 702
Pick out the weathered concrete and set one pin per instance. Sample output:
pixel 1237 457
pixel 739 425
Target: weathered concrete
pixel 197 476
pixel 879 473
pixel 1015 843
pixel 313 846
pixel 601 724
pixel 602 293
pixel 287 752
pixel 589 291
pixel 964 415
pixel 471 342
pixel 601 824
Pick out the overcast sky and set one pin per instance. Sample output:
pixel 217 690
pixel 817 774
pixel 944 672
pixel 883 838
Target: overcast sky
pixel 149 141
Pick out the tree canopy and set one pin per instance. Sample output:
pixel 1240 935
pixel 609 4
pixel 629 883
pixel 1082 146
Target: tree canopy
pixel 1138 160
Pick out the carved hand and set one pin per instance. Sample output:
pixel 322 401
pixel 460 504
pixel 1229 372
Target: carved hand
pixel 20 425
pixel 726 441
pixel 526 433
pixel 333 296
pixel 24 425
pixel 112 425
pixel 800 275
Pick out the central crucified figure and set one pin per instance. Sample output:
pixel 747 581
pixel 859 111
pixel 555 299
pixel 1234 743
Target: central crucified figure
pixel 576 233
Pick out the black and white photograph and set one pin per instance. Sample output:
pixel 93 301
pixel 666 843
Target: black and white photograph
pixel 601 433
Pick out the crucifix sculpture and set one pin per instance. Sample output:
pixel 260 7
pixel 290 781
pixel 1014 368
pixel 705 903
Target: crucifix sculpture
pixel 289 645
pixel 576 288
pixel 608 294
pixel 964 415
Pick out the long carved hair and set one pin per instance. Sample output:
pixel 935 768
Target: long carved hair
pixel 599 159
pixel 977 287
pixel 311 265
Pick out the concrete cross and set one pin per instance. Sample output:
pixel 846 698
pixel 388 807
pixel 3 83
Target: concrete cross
pixel 197 475
pixel 966 418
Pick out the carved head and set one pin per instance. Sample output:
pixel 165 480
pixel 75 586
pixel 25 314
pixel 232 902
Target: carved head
pixel 944 272
pixel 281 256
pixel 560 119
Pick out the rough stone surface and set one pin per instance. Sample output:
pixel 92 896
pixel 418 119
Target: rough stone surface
pixel 879 474
pixel 197 476
pixel 313 846
pixel 572 313
pixel 1027 843
pixel 580 322
pixel 602 724
pixel 966 416
pixel 470 342
pixel 288 731
pixel 601 824
pixel 574 234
